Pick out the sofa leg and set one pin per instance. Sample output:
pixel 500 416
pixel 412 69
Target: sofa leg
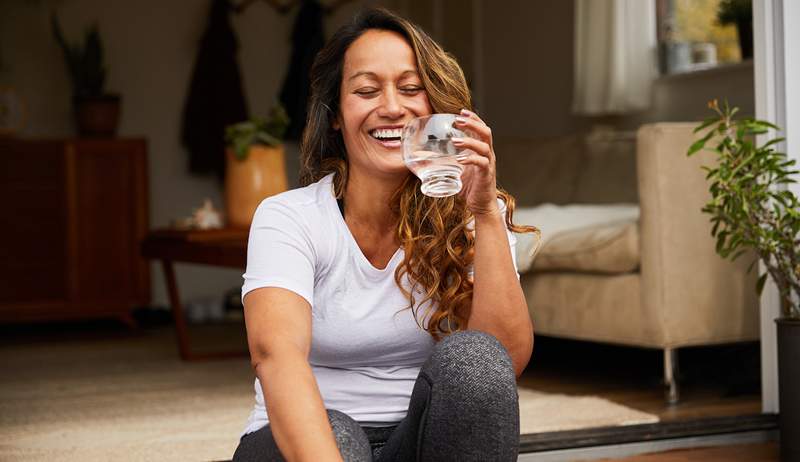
pixel 671 375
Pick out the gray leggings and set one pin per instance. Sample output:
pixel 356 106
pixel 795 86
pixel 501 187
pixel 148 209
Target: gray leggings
pixel 464 407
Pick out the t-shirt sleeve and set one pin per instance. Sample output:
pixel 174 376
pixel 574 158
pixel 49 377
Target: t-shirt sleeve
pixel 280 252
pixel 512 239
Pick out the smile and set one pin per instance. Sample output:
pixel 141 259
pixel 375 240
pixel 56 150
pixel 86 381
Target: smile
pixel 388 137
pixel 387 134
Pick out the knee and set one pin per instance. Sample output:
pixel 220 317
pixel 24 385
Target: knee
pixel 343 426
pixel 351 440
pixel 474 362
pixel 473 347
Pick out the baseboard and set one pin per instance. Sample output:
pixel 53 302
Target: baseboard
pixel 687 431
pixel 646 447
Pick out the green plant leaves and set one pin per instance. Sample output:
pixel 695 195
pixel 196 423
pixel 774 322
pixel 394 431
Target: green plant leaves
pixel 85 61
pixel 749 208
pixel 760 283
pixel 257 130
pixel 706 123
pixel 701 143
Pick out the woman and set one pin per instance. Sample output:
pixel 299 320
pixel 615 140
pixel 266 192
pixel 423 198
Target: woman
pixel 382 323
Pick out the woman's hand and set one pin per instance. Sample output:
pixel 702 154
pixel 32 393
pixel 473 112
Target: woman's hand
pixel 480 175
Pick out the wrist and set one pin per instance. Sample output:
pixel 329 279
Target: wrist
pixel 488 215
pixel 489 220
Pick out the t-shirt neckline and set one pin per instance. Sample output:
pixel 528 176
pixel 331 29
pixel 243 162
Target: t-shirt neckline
pixel 362 259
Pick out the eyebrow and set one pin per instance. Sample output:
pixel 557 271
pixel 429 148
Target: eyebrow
pixel 375 76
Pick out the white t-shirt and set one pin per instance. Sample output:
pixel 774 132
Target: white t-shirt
pixel 366 347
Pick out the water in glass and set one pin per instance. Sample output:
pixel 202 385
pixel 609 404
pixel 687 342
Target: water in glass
pixel 428 151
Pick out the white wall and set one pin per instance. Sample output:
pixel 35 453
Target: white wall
pixel 150 46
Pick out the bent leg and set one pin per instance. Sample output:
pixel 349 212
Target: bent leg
pixel 350 439
pixel 464 406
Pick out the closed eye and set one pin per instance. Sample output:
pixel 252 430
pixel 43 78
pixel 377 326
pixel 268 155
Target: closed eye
pixel 411 90
pixel 366 91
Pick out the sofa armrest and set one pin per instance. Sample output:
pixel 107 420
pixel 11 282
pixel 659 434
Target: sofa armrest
pixel 694 295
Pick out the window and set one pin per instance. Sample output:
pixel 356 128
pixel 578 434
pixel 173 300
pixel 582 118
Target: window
pixel 691 37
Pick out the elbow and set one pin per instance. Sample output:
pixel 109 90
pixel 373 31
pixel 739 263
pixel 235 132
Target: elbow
pixel 258 357
pixel 521 364
pixel 263 354
pixel 523 354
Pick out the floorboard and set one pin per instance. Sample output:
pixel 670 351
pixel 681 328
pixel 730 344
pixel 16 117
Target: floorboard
pixel 717 381
pixel 760 452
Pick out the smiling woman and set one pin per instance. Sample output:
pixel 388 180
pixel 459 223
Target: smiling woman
pixel 381 89
pixel 391 324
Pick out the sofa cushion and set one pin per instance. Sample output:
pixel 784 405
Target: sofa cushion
pixel 607 173
pixel 583 238
pixel 604 308
pixel 603 248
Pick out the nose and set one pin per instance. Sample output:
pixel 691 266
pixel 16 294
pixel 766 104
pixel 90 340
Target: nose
pixel 391 107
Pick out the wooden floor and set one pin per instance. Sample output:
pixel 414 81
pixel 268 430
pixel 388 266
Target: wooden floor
pixel 763 452
pixel 715 381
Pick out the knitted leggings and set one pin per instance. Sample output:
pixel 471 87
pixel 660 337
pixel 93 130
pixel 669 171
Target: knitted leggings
pixel 464 407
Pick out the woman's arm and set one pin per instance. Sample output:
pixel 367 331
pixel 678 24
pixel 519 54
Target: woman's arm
pixel 279 336
pixel 498 304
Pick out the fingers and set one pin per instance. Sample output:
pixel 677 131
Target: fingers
pixel 469 121
pixel 471 115
pixel 477 151
pixel 475 159
pixel 482 148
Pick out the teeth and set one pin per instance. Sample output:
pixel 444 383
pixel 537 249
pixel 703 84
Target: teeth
pixel 387 133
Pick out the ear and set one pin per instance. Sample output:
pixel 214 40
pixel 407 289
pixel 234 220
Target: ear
pixel 335 124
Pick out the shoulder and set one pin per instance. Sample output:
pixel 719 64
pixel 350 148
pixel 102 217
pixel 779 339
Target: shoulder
pixel 304 205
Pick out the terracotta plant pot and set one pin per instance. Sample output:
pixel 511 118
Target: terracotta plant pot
pixel 97 116
pixel 248 182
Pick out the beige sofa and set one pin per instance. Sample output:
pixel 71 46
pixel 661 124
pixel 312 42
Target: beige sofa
pixel 653 282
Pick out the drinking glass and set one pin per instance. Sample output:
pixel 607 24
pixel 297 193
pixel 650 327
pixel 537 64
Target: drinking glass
pixel 428 151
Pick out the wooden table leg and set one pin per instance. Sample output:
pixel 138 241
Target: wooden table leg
pixel 184 345
pixel 177 310
pixel 128 319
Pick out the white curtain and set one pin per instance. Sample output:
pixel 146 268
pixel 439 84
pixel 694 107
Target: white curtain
pixel 615 56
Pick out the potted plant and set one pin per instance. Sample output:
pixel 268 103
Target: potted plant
pixel 749 211
pixel 96 112
pixel 740 14
pixel 255 165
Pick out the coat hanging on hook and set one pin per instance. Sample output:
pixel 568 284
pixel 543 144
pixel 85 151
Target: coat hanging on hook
pixel 216 98
pixel 307 39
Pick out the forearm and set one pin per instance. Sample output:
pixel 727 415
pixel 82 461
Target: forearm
pixel 498 304
pixel 296 411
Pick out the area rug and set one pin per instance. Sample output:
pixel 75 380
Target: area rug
pixel 102 401
pixel 545 412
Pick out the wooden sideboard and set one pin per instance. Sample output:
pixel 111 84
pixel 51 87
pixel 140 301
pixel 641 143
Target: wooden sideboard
pixel 72 215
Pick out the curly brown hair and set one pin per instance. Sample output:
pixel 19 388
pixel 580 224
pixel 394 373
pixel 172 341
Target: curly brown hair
pixel 434 232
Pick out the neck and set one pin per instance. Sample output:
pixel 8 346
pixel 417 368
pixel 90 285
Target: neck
pixel 367 199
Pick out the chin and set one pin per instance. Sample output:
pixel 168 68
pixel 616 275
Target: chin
pixel 391 167
pixel 395 170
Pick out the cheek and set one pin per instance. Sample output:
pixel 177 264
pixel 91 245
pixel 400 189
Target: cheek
pixel 422 105
pixel 354 112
